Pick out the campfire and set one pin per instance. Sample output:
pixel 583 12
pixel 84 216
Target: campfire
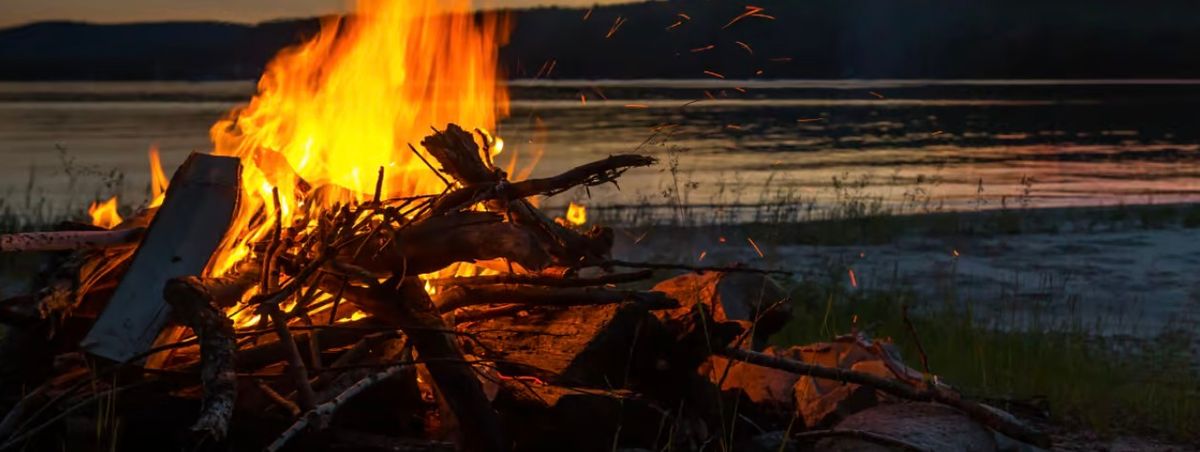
pixel 354 265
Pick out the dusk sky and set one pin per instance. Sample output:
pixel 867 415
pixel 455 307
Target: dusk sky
pixel 15 12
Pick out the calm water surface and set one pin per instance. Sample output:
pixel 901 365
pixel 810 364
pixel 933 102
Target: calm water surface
pixel 918 144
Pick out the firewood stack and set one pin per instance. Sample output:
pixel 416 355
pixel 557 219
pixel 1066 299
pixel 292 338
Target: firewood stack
pixel 352 349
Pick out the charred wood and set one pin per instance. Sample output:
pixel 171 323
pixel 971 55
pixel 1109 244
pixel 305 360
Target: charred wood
pixel 403 302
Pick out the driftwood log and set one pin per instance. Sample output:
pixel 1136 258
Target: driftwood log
pixel 187 229
pixel 194 306
pixel 69 240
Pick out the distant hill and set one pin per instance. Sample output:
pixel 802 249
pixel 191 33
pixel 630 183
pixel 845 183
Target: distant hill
pixel 806 39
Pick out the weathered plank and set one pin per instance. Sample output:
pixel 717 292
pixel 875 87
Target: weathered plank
pixel 179 241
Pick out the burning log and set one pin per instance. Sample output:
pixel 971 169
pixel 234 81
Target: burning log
pixel 179 241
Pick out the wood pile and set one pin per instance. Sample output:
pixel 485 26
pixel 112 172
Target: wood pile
pixel 127 345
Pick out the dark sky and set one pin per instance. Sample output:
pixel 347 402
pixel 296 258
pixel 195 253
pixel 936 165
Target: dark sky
pixel 15 12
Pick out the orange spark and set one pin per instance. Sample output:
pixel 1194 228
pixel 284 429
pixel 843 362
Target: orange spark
pixel 751 10
pixel 583 99
pixel 704 49
pixel 587 15
pixel 615 26
pixel 809 119
pixel 714 74
pixel 853 280
pixel 598 92
pixel 547 68
pixel 756 248
pixel 877 95
pixel 745 46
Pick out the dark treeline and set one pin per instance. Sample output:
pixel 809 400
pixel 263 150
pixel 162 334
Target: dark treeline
pixel 805 39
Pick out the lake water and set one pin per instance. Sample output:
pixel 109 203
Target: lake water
pixel 940 144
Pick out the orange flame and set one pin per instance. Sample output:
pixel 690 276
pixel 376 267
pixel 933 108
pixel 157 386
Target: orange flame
pixel 105 214
pixel 576 214
pixel 333 110
pixel 158 179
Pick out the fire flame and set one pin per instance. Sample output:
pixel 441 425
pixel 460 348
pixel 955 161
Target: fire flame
pixel 576 214
pixel 333 110
pixel 105 214
pixel 158 179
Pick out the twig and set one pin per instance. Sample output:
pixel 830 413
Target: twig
pixel 896 388
pixel 727 269
pixel 460 296
pixel 305 395
pixel 912 330
pixel 278 399
pixel 430 165
pixel 541 280
pixel 871 437
pixel 322 412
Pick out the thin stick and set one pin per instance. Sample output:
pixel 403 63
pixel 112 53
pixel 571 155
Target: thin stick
pixel 912 330
pixel 299 373
pixel 430 165
pixel 932 393
pixel 658 266
pixel 279 399
pixel 327 409
pixel 379 186
pixel 871 437
pixel 540 280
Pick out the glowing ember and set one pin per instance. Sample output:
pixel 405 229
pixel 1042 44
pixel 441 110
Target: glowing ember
pixel 335 109
pixel 105 214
